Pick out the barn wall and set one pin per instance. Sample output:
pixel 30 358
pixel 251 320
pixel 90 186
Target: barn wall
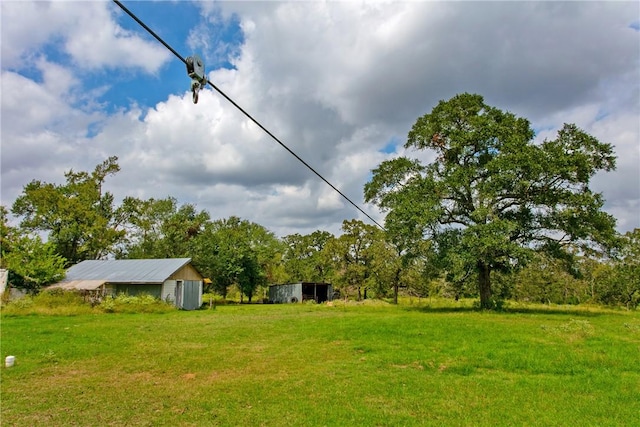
pixel 133 289
pixel 188 272
pixel 191 294
pixel 285 293
pixel 169 290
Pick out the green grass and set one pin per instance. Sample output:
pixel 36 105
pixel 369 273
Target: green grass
pixel 306 365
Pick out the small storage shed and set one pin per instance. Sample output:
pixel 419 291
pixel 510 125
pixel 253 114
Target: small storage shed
pixel 4 275
pixel 171 279
pixel 298 292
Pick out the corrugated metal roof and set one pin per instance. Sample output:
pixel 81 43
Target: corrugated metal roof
pixel 151 271
pixel 79 285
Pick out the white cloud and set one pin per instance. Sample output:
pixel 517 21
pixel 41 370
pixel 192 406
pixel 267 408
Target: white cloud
pixel 334 81
pixel 85 30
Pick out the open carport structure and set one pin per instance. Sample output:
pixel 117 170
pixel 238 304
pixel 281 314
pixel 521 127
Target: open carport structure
pixel 298 292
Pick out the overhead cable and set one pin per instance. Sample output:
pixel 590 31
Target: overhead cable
pixel 249 116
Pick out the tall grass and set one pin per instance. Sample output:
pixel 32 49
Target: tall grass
pixel 64 303
pixel 135 304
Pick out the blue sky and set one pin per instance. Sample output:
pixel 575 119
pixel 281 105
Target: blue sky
pixel 174 22
pixel 341 83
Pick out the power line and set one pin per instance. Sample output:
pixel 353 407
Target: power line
pixel 217 89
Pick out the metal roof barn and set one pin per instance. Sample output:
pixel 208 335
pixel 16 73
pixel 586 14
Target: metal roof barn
pixel 171 279
pixel 127 270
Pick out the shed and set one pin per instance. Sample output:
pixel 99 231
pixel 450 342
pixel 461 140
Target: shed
pixel 171 279
pixel 4 275
pixel 298 292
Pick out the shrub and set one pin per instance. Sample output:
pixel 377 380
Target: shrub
pixel 19 305
pixel 143 303
pixel 49 302
pixel 58 298
pixel 68 303
pixel 213 299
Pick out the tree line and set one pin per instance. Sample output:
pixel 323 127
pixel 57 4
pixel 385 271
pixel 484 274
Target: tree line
pixel 495 216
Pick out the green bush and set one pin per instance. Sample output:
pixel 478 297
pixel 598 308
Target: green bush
pixel 19 304
pixel 143 303
pixel 213 299
pixel 67 303
pixel 49 302
pixel 58 298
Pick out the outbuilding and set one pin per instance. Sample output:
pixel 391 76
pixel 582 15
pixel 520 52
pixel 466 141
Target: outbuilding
pixel 299 292
pixel 170 279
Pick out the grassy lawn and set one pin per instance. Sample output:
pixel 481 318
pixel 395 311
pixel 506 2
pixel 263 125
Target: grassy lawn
pixel 306 365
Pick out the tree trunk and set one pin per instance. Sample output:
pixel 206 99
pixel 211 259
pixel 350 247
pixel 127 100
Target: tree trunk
pixel 396 283
pixel 484 286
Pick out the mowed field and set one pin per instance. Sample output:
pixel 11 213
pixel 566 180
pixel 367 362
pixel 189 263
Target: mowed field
pixel 318 365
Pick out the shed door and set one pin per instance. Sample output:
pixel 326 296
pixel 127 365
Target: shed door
pixel 191 299
pixel 179 294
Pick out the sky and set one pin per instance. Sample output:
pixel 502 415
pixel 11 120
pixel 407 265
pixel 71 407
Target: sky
pixel 339 83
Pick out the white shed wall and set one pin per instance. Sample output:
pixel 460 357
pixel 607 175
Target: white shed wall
pixel 169 290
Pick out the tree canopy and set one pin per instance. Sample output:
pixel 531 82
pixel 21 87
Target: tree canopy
pixel 32 263
pixel 493 202
pixel 492 195
pixel 159 228
pixel 304 257
pixel 79 217
pixel 237 252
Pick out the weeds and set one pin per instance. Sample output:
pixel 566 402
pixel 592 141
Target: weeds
pixel 573 329
pixel 49 357
pixel 134 304
pixel 211 300
pixel 66 303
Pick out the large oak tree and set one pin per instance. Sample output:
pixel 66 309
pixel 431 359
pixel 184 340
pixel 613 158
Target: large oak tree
pixel 492 194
